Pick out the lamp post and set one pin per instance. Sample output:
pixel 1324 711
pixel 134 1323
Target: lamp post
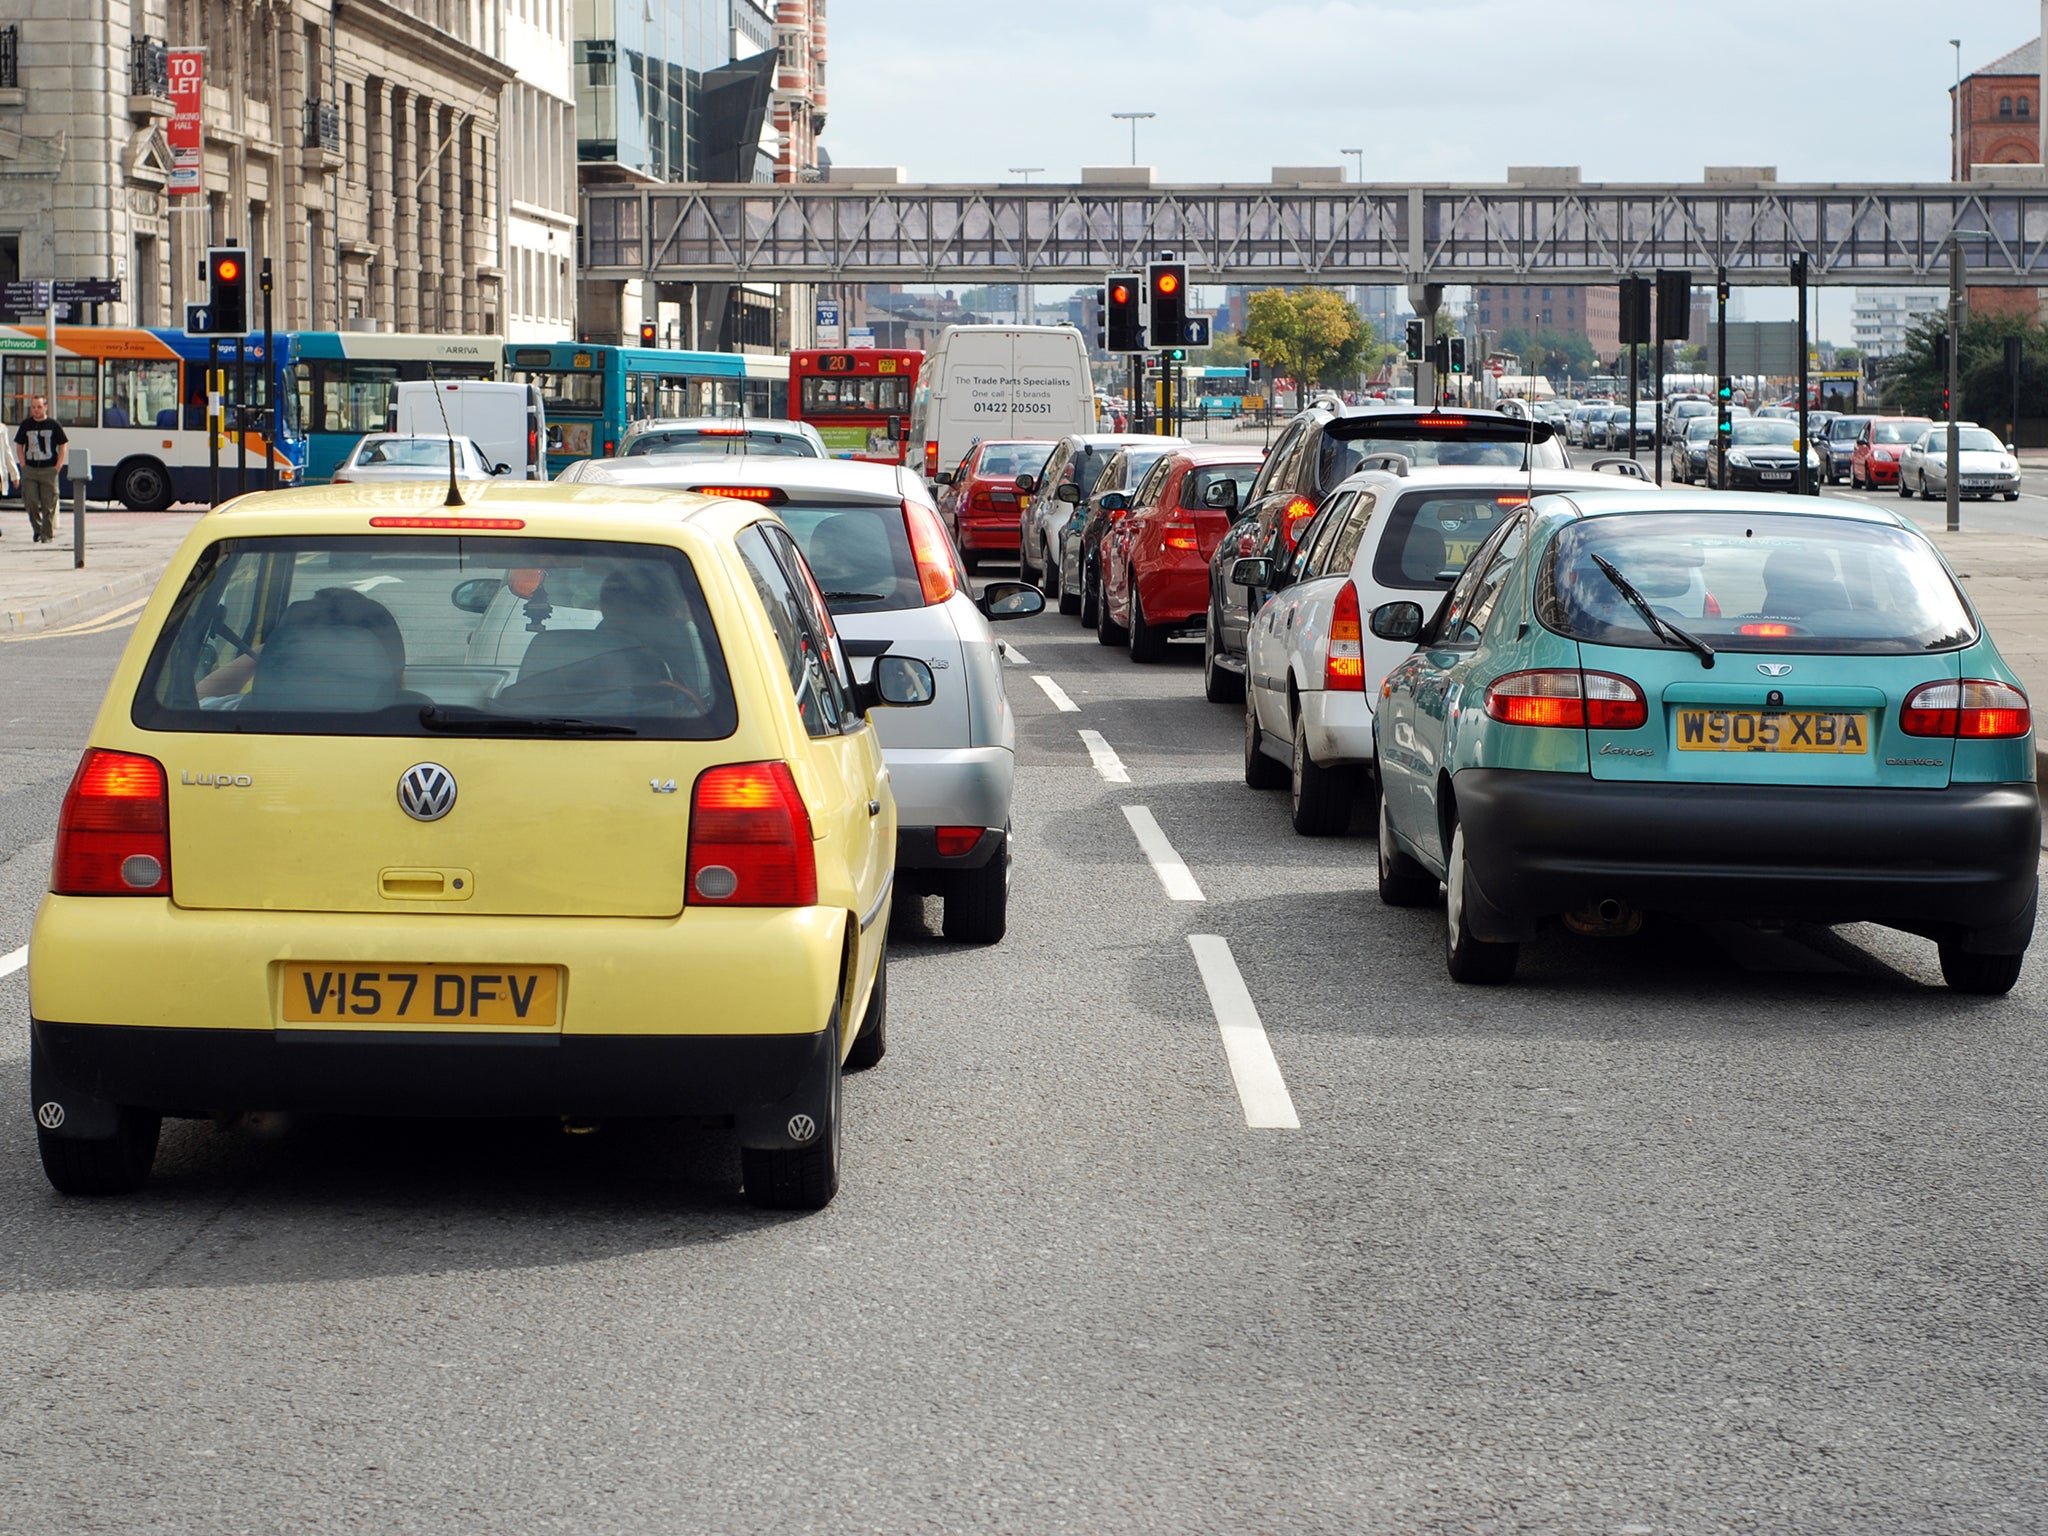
pixel 1955 114
pixel 1133 118
pixel 1357 162
pixel 1024 241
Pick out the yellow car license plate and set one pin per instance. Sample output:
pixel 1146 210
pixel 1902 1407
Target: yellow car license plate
pixel 506 996
pixel 1756 730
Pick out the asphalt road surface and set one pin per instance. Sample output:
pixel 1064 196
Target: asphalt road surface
pixel 1225 1213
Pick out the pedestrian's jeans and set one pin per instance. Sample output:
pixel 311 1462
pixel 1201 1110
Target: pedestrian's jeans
pixel 39 496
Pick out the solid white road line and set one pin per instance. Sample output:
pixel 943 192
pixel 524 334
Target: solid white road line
pixel 1057 694
pixel 1017 657
pixel 14 961
pixel 1166 864
pixel 1260 1087
pixel 1107 763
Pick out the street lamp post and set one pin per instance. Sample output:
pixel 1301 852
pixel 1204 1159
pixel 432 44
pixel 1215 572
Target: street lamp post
pixel 1133 118
pixel 1357 161
pixel 1955 116
pixel 1024 242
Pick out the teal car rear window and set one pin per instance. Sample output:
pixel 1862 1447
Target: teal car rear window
pixel 1744 582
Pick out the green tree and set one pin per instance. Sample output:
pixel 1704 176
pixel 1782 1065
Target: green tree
pixel 1913 384
pixel 1302 332
pixel 1846 357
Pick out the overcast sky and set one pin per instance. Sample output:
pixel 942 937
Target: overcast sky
pixel 1442 90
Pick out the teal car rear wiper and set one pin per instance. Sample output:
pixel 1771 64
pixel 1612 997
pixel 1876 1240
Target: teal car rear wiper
pixel 436 717
pixel 1663 628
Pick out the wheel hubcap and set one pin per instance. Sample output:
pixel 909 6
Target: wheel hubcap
pixel 1454 901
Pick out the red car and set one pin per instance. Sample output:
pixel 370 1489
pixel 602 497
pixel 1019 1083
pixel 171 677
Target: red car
pixel 1155 555
pixel 1875 459
pixel 982 504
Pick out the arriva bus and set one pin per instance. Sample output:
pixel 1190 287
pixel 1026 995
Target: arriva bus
pixel 135 400
pixel 593 393
pixel 346 380
pixel 858 399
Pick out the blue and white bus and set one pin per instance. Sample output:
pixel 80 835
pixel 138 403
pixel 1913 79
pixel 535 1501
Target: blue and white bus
pixel 345 381
pixel 135 400
pixel 593 393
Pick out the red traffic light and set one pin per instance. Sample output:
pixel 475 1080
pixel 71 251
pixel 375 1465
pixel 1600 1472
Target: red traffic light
pixel 1119 294
pixel 227 269
pixel 1169 283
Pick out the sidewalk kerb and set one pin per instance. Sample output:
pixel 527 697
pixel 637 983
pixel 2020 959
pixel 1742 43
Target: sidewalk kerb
pixel 77 604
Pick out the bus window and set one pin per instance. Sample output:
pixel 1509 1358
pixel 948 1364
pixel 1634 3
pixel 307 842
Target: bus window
pixel 581 393
pixel 140 392
pixel 76 403
pixel 861 396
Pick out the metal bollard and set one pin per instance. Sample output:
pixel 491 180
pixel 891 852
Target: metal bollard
pixel 79 464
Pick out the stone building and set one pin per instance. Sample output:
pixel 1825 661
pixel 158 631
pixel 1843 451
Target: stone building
pixel 355 143
pixel 540 172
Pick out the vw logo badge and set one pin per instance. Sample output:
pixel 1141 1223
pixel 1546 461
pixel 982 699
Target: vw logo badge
pixel 426 791
pixel 1774 668
pixel 802 1127
pixel 50 1114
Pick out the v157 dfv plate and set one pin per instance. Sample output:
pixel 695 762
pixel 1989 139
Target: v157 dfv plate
pixel 500 997
pixel 1752 730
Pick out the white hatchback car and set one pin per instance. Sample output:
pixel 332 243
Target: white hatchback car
pixel 894 584
pixel 1313 666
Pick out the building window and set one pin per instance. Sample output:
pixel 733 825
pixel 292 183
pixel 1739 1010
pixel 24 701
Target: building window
pixel 2005 106
pixel 2022 106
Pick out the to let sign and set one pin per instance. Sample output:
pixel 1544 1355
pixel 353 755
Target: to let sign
pixel 187 66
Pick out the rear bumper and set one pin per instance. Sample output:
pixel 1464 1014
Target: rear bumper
pixel 90 1067
pixel 1339 727
pixel 948 787
pixel 1944 863
pixel 917 848
pixel 1175 594
pixel 985 535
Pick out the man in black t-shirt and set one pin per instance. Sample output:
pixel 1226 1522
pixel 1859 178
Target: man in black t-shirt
pixel 43 448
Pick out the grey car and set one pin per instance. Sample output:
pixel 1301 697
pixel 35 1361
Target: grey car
pixel 895 584
pixel 719 436
pixel 1077 460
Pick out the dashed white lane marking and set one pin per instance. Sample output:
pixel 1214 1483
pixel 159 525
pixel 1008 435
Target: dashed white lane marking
pixel 1166 864
pixel 13 961
pixel 1016 657
pixel 1107 763
pixel 1056 693
pixel 1260 1087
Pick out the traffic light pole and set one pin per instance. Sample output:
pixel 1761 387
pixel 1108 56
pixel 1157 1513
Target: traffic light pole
pixel 270 417
pixel 1721 376
pixel 1955 349
pixel 213 421
pixel 241 395
pixel 1805 479
pixel 1635 354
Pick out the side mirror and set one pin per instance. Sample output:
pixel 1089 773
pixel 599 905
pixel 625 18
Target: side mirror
pixel 2010 449
pixel 1027 484
pixel 1010 600
pixel 1115 503
pixel 944 477
pixel 475 594
pixel 1068 492
pixel 1223 493
pixel 1397 621
pixel 900 682
pixel 1252 571
pixel 501 469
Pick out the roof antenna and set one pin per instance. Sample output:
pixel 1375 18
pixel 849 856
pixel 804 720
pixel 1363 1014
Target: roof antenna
pixel 454 497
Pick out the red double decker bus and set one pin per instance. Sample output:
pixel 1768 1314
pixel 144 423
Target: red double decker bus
pixel 859 399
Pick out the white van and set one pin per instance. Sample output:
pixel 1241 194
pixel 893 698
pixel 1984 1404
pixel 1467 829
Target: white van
pixel 507 420
pixel 1000 381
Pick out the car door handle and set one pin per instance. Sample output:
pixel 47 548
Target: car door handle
pixel 874 807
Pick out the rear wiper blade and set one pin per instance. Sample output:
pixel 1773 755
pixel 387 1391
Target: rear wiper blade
pixel 1659 626
pixel 436 717
pixel 856 597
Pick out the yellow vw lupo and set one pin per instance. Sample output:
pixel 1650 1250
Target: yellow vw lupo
pixel 560 802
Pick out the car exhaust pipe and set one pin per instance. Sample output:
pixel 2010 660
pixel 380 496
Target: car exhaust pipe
pixel 1609 919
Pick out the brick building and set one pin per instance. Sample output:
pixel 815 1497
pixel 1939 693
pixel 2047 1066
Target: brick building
pixel 2000 120
pixel 1594 313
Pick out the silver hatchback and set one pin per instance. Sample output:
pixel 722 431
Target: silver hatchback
pixel 895 584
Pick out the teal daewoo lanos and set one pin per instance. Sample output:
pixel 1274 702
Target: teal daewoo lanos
pixel 1710 704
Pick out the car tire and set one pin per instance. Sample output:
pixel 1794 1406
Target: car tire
pixel 797 1178
pixel 1979 975
pixel 1403 881
pixel 1469 959
pixel 1260 771
pixel 2012 495
pixel 102 1165
pixel 1220 685
pixel 1320 797
pixel 1056 586
pixel 1107 630
pixel 872 1043
pixel 1091 599
pixel 976 906
pixel 1147 641
pixel 971 560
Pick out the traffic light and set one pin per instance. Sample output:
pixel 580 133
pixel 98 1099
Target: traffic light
pixel 227 291
pixel 650 335
pixel 1167 284
pixel 1440 354
pixel 1176 354
pixel 1457 354
pixel 1726 397
pixel 1941 353
pixel 1635 310
pixel 1258 368
pixel 1123 327
pixel 1414 341
pixel 1674 306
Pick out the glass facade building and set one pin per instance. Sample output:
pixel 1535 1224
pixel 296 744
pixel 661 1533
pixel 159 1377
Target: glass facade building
pixel 658 91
